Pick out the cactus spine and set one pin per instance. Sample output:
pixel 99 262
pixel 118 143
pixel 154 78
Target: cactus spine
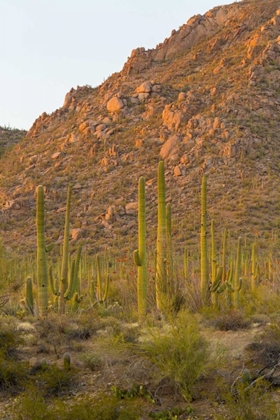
pixel 140 255
pixel 161 241
pixel 205 286
pixel 42 271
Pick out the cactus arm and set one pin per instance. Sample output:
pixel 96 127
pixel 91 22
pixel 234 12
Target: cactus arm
pixel 73 281
pixel 51 280
pixel 136 258
pixel 29 299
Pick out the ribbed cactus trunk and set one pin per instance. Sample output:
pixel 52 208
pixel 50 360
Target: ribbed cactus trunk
pixel 140 255
pixel 29 299
pixel 63 286
pixel 186 265
pixel 161 242
pixel 255 269
pixel 42 271
pixel 169 254
pixel 237 282
pixel 214 265
pixel 224 256
pixel 205 286
pixel 74 276
pixel 101 289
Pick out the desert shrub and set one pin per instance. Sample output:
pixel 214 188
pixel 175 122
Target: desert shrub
pixel 53 381
pixel 179 353
pixel 102 407
pixel 13 375
pixel 92 360
pixel 254 403
pixel 266 348
pixel 226 320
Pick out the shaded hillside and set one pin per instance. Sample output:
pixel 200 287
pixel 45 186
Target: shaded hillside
pixel 206 100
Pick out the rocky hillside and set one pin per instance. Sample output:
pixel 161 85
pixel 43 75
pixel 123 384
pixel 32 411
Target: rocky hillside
pixel 206 100
pixel 9 137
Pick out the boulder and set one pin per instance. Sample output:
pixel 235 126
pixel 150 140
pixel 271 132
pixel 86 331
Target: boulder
pixel 170 147
pixel 115 104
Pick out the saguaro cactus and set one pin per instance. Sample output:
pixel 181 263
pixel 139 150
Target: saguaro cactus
pixel 161 241
pixel 140 255
pixel 170 286
pixel 237 281
pixel 101 289
pixel 255 274
pixel 63 286
pixel 74 273
pixel 42 271
pixel 216 270
pixel 29 299
pixel 205 286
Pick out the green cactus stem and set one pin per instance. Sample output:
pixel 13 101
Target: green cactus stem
pixel 29 299
pixel 224 256
pixel 205 283
pixel 77 299
pixel 186 265
pixel 74 276
pixel 67 361
pixel 161 286
pixel 237 281
pixel 101 290
pixel 216 270
pixel 140 255
pixel 42 271
pixel 255 274
pixel 170 284
pixel 63 287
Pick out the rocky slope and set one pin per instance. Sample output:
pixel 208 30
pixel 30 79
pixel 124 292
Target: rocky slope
pixel 9 137
pixel 206 100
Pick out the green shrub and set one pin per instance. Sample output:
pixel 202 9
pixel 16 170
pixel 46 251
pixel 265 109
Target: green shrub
pixel 227 320
pixel 180 354
pixel 254 403
pixel 13 375
pixel 10 338
pixel 102 407
pixel 54 381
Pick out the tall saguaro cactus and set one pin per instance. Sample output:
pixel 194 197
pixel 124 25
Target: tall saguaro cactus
pixel 63 286
pixel 205 284
pixel 216 270
pixel 42 271
pixel 161 241
pixel 140 254
pixel 170 286
pixel 101 289
pixel 237 281
pixel 255 269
